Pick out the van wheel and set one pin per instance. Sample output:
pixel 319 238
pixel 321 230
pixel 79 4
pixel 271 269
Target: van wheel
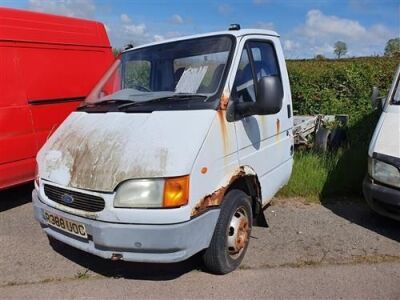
pixel 231 235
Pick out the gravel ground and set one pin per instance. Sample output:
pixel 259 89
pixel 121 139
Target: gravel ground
pixel 377 281
pixel 339 244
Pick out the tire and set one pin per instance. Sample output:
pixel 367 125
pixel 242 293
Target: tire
pixel 322 137
pixel 338 138
pixel 231 235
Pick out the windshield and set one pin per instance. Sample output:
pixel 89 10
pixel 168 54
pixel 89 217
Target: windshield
pixel 184 69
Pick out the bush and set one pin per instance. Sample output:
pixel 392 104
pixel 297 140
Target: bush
pixel 336 87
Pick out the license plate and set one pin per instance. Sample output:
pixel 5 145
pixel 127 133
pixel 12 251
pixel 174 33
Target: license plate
pixel 66 225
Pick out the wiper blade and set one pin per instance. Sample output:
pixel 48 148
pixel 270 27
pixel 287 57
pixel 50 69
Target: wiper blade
pixel 105 102
pixel 112 101
pixel 162 99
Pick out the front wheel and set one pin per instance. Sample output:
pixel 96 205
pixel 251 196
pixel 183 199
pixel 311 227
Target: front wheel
pixel 231 235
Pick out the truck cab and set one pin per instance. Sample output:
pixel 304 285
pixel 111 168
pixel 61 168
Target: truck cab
pixel 382 184
pixel 177 150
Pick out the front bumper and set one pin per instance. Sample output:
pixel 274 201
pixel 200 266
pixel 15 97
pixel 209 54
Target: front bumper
pixel 161 243
pixel 384 200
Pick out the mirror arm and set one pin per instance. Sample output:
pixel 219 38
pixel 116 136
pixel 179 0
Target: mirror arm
pixel 239 110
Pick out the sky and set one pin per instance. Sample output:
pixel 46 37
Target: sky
pixel 307 27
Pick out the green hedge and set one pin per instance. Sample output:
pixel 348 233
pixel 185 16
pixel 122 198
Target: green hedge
pixel 336 87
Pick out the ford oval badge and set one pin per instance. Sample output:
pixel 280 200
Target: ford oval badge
pixel 68 199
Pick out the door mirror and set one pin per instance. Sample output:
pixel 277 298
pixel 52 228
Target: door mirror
pixel 269 95
pixel 268 101
pixel 377 101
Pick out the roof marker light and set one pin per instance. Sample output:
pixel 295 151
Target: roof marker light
pixel 234 27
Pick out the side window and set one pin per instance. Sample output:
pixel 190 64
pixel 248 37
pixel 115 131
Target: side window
pixel 137 74
pixel 243 87
pixel 264 58
pixel 265 63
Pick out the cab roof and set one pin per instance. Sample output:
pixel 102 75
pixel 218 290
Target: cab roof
pixel 235 33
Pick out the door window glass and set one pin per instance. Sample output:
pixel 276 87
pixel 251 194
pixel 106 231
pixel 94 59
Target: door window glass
pixel 264 57
pixel 243 88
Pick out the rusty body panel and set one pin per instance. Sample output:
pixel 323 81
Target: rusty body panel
pixel 278 126
pixel 97 152
pixel 223 104
pixel 221 115
pixel 215 199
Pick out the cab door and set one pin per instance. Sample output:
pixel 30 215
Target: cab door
pixel 264 141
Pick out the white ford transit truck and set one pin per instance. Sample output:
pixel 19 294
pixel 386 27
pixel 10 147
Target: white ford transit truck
pixel 176 151
pixel 382 183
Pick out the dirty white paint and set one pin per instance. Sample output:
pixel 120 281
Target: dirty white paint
pixel 386 137
pixel 99 151
pixel 58 171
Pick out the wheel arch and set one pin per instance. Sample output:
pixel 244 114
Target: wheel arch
pixel 244 179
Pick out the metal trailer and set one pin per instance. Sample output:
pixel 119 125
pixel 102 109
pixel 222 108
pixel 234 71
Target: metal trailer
pixel 314 131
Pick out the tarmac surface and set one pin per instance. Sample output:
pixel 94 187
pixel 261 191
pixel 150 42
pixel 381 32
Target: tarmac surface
pixel 336 250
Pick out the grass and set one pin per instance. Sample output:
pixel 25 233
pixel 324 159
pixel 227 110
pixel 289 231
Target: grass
pixel 310 172
pixel 82 275
pixel 336 87
pixel 320 177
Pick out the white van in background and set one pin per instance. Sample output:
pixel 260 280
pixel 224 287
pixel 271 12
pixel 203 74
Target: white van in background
pixel 382 184
pixel 177 150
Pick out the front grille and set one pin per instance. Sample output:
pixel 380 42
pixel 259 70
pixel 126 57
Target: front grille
pixel 80 201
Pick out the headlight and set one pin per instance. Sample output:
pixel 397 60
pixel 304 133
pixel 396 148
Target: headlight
pixel 140 193
pixel 153 193
pixel 384 172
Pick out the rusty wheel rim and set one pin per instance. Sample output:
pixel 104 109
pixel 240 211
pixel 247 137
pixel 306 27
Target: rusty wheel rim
pixel 238 232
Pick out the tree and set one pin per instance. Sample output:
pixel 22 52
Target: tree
pixel 392 47
pixel 340 49
pixel 319 57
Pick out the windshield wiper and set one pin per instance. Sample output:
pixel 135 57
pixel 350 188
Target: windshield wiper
pixel 110 101
pixel 162 99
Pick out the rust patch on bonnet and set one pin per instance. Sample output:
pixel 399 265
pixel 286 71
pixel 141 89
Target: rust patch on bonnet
pixel 215 199
pixel 89 155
